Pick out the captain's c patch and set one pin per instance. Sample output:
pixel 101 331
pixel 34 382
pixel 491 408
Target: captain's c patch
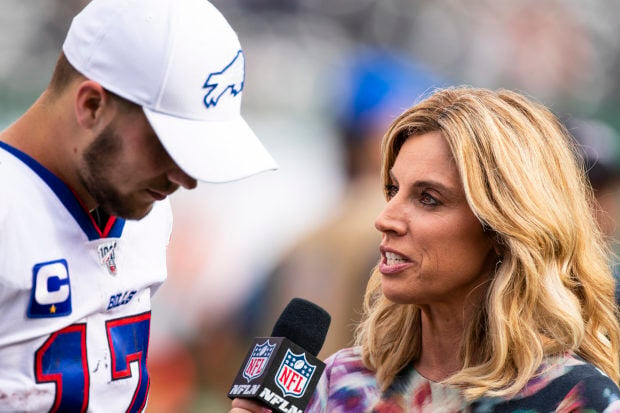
pixel 51 290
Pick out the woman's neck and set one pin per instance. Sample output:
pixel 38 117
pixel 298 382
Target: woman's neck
pixel 441 344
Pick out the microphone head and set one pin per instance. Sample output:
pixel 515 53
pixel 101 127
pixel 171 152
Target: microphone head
pixel 304 323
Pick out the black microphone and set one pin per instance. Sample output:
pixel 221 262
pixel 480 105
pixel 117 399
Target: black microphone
pixel 281 372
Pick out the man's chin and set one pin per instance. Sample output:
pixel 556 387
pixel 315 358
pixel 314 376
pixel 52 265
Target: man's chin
pixel 134 213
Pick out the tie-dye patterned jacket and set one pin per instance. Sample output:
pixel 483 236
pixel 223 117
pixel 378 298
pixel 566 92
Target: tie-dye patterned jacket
pixel 567 385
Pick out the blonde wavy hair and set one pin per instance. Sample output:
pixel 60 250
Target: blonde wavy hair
pixel 553 291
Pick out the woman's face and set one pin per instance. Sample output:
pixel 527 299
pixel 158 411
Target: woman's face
pixel 434 249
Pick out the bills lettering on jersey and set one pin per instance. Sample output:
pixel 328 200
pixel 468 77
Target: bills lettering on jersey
pixel 258 360
pixel 51 290
pixel 294 374
pixel 107 256
pixel 120 299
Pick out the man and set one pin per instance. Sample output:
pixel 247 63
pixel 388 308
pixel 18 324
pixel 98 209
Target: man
pixel 145 98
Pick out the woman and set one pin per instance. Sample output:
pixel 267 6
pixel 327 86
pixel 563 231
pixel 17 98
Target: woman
pixel 493 293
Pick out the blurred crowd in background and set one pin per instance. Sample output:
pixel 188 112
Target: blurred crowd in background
pixel 323 80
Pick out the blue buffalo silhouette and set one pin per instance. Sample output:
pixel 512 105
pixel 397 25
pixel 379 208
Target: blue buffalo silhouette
pixel 231 78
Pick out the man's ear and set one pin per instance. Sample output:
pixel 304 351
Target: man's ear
pixel 91 100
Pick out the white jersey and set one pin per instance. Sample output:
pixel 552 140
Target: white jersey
pixel 74 302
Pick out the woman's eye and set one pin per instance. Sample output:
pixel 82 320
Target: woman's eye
pixel 391 191
pixel 428 199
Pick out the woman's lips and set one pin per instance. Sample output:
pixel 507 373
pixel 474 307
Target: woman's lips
pixel 392 262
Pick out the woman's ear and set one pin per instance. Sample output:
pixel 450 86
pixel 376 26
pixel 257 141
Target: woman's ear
pixel 496 241
pixel 91 100
pixel 497 249
pixel 498 246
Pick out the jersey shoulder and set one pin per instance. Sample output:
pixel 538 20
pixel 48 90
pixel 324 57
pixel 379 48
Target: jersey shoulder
pixel 20 186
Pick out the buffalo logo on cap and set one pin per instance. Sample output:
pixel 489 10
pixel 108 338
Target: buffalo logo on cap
pixel 230 78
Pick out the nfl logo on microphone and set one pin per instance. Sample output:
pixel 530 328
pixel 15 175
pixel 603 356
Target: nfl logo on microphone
pixel 278 374
pixel 294 374
pixel 258 360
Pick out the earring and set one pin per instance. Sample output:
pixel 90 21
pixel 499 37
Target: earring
pixel 499 261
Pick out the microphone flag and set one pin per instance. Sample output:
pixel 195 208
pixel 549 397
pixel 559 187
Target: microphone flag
pixel 279 374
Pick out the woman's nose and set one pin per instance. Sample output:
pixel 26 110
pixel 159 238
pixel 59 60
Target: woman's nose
pixel 390 220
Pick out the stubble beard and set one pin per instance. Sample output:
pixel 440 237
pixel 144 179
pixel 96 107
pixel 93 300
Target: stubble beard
pixel 99 162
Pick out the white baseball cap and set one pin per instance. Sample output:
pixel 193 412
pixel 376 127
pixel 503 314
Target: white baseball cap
pixel 182 62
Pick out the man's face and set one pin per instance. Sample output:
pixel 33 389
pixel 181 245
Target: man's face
pixel 126 169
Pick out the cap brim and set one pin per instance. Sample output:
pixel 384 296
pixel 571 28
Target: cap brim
pixel 211 151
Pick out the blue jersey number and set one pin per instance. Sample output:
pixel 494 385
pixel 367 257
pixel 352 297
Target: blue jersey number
pixel 128 339
pixel 62 360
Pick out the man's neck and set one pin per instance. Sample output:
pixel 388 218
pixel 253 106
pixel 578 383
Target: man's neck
pixel 100 217
pixel 48 134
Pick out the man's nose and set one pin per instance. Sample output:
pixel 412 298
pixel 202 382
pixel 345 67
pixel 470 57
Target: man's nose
pixel 177 176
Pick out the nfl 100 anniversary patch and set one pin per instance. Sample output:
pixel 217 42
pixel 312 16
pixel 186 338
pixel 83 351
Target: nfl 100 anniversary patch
pixel 107 256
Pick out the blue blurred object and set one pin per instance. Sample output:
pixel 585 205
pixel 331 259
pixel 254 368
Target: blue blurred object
pixel 376 84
